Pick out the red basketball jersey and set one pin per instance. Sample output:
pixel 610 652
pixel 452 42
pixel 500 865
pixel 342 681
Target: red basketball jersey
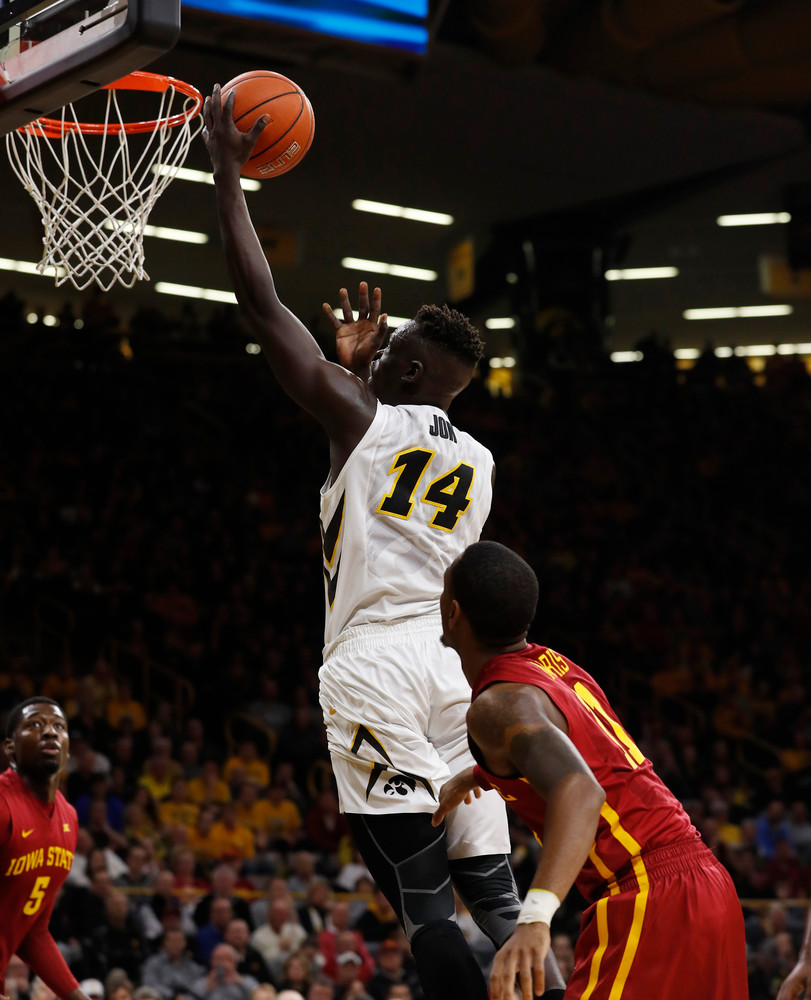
pixel 639 813
pixel 37 843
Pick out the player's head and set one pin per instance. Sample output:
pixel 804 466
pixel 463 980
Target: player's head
pixel 37 737
pixel 432 356
pixel 494 591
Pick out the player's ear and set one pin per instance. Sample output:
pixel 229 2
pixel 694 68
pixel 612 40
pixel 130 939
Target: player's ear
pixel 8 749
pixel 414 371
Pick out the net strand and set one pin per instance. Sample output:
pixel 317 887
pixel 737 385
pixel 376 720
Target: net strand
pixel 95 193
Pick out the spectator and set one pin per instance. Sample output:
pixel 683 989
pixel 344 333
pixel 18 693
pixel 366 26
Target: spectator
pixel 321 988
pixel 118 942
pixel 302 871
pixel 314 911
pixel 164 911
pixel 771 828
pixel 212 933
pixel 209 787
pixel 280 937
pixel 339 938
pixel 250 961
pixel 124 711
pixel 172 971
pixel 177 809
pixel 391 970
pixel 246 766
pixel 230 839
pixel 223 981
pixel 276 889
pixel 138 879
pixel 223 883
pixel 295 974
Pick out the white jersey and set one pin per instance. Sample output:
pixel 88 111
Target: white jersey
pixel 412 496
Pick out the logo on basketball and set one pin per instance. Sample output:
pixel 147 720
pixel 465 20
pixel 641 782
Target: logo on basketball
pixel 287 155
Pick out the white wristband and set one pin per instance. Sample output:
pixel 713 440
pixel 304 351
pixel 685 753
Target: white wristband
pixel 539 907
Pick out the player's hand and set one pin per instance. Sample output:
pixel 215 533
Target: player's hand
pixel 523 955
pixel 227 146
pixel 462 787
pixel 799 979
pixel 358 340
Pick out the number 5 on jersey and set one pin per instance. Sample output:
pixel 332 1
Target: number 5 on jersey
pixel 448 492
pixel 37 895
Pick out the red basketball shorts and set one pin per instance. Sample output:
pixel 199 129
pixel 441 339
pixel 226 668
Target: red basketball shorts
pixel 670 929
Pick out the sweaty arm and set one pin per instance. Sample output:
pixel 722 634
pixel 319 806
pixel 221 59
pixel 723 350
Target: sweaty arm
pixel 799 978
pixel 334 396
pixel 518 729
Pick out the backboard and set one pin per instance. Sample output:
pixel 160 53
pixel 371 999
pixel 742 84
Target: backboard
pixel 54 52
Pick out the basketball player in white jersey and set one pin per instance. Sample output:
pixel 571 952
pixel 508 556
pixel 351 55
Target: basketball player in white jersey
pixel 407 492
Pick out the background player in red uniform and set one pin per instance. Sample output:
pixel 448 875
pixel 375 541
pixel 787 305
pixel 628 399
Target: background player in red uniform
pixel 37 842
pixel 664 920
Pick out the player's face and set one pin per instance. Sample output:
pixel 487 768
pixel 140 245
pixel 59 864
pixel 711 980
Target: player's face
pixel 389 364
pixel 40 742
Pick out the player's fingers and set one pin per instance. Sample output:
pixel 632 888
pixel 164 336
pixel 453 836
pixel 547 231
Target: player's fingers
pixel 502 977
pixel 377 300
pixel 331 315
pixel 216 102
pixel 346 305
pixel 539 975
pixel 256 129
pixel 438 816
pixel 363 300
pixel 525 976
pixel 477 792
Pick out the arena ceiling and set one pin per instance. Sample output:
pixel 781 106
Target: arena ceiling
pixel 501 148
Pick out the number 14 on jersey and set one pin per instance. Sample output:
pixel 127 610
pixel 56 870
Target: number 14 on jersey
pixel 449 492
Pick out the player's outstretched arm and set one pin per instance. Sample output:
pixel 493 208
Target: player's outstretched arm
pixel 338 400
pixel 514 726
pixel 358 340
pixel 799 978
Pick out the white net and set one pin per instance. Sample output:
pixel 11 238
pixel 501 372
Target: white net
pixel 95 192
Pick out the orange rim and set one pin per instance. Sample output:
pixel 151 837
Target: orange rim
pixel 54 128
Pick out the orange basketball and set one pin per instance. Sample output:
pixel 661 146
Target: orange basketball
pixel 288 135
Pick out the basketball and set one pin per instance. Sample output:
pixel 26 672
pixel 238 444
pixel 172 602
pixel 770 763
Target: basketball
pixel 290 131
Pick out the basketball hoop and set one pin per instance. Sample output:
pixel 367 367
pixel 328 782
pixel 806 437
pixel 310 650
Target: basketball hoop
pixel 96 202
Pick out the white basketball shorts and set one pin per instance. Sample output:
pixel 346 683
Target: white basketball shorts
pixel 394 701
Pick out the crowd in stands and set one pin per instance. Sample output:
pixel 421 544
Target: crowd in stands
pixel 160 506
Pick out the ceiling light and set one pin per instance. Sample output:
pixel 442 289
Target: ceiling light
pixel 192 292
pixel 738 312
pixel 399 212
pixel 396 270
pixel 755 219
pixel 621 357
pixel 200 176
pixel 638 273
pixel 253 349
pixel 29 267
pixel 164 232
pixel 794 348
pixel 500 323
pixel 755 351
pixel 686 353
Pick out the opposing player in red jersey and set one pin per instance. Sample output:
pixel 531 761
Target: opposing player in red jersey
pixel 663 918
pixel 37 842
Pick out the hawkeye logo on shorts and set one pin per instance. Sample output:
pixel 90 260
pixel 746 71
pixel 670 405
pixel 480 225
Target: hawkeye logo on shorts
pixel 400 782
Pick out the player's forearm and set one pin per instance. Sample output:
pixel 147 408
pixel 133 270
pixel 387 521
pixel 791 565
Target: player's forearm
pixel 282 336
pixel 39 951
pixel 572 814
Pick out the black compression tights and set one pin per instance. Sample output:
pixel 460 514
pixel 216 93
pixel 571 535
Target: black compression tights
pixel 408 860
